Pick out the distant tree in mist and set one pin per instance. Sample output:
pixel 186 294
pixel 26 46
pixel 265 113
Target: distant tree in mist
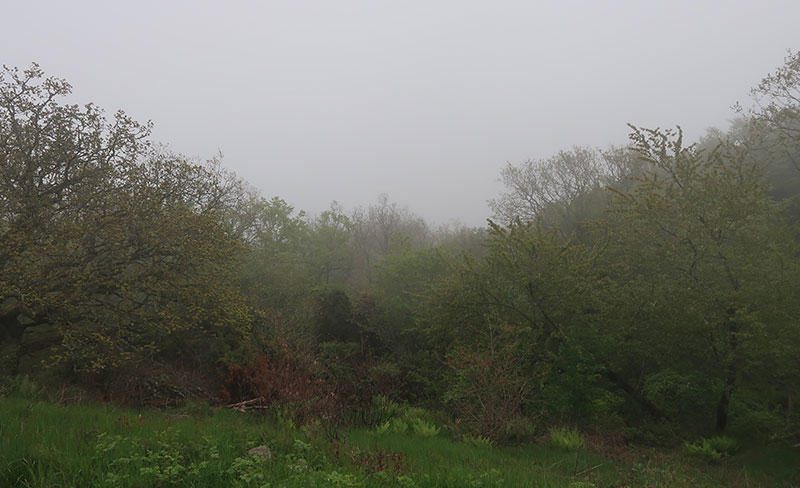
pixel 564 190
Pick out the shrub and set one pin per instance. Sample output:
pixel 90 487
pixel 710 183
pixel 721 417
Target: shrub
pixel 27 388
pixel 291 381
pixel 489 384
pixel 477 440
pixel 753 417
pixel 712 449
pixel 575 387
pixel 395 426
pixel 723 444
pixel 424 429
pixel 702 449
pixel 566 438
pixel 399 426
pixel 519 429
pixel 680 395
pixel 383 409
pixel 383 428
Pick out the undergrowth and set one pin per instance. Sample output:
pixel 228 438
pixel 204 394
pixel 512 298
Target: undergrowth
pixel 45 445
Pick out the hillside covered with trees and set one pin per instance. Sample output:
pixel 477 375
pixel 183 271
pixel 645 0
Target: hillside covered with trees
pixel 651 290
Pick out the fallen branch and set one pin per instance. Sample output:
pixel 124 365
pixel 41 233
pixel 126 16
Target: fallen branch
pixel 244 405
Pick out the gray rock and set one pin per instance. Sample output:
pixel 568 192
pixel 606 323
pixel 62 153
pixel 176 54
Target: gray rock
pixel 261 451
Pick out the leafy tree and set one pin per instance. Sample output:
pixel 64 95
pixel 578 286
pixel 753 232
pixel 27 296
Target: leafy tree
pixel 708 264
pixel 275 274
pixel 777 106
pixel 564 191
pixel 118 246
pixel 331 251
pixel 539 292
pixel 334 318
pixel 536 186
pixel 383 228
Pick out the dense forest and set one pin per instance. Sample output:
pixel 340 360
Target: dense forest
pixel 651 290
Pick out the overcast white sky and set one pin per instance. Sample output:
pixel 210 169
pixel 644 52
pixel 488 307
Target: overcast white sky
pixel 315 101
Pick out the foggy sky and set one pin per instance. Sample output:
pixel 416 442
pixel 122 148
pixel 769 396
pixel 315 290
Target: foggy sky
pixel 426 101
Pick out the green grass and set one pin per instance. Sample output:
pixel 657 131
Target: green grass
pixel 566 438
pixel 47 445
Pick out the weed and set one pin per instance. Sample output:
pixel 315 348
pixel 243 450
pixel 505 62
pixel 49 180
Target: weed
pixel 26 388
pixel 566 438
pixel 713 448
pixel 424 429
pixel 477 440
pixel 384 409
pixel 723 444
pixel 399 426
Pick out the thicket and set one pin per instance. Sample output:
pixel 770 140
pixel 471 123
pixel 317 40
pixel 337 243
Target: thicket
pixel 652 289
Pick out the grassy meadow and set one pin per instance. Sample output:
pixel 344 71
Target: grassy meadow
pixel 46 444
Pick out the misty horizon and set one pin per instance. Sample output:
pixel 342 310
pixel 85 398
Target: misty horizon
pixel 315 102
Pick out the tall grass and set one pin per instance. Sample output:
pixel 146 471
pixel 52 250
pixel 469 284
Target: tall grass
pixel 47 445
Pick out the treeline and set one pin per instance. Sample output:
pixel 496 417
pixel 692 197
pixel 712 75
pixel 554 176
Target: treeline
pixel 651 289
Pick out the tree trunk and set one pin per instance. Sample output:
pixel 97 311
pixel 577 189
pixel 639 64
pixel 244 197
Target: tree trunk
pixel 725 399
pixel 722 411
pixel 730 372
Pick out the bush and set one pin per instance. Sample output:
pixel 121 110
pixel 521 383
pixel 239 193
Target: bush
pixel 383 409
pixel 399 426
pixel 519 429
pixel 26 388
pixel 753 417
pixel 702 450
pixel 681 395
pixel 566 438
pixel 477 440
pixel 712 449
pixel 489 384
pixel 424 429
pixel 575 387
pixel 723 444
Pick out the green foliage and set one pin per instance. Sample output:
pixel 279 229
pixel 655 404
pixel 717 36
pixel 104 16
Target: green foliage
pixel 424 429
pixel 700 229
pixel 334 318
pixel 681 395
pixel 776 113
pixel 754 418
pixel 399 426
pixel 560 191
pixel 525 316
pixel 385 409
pixel 713 448
pixel 488 386
pixel 81 445
pixel 155 278
pixel 405 417
pixel 566 438
pixel 24 387
pixel 331 255
pixel 477 440
pixel 703 450
pixel 723 444
pixel 118 246
pixel 383 428
pixel 576 387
